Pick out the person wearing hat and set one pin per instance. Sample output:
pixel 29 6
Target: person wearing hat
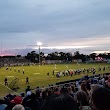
pixel 18 100
pixel 15 101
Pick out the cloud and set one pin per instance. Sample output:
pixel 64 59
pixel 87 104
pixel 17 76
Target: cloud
pixel 52 16
pixel 55 22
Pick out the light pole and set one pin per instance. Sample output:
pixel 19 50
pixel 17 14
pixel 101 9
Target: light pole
pixel 39 44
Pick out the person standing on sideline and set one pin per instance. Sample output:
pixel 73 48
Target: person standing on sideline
pixel 23 71
pixel 27 80
pixel 53 73
pixel 18 70
pixel 48 74
pixel 6 81
pixel 14 69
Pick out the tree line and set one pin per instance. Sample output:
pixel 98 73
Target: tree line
pixel 34 57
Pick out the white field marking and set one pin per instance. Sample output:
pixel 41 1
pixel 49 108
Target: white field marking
pixel 66 66
pixel 55 67
pixel 56 71
pixel 21 81
pixel 8 88
pixel 36 73
pixel 30 81
pixel 10 76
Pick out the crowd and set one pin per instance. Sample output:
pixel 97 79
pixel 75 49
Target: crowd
pixel 86 94
pixel 14 61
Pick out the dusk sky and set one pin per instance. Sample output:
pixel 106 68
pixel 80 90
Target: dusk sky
pixel 61 25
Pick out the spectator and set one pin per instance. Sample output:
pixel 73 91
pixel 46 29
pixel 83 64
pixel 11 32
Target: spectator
pixel 27 89
pixel 2 105
pixel 18 107
pixel 33 103
pixel 101 98
pixel 70 91
pixel 60 102
pixel 83 87
pixel 108 83
pixel 56 90
pixel 88 85
pixel 16 100
pixel 82 100
pixel 64 90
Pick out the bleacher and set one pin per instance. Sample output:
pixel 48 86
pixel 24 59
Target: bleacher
pixel 13 61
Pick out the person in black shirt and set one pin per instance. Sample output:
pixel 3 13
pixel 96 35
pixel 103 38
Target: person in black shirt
pixel 6 81
pixel 27 80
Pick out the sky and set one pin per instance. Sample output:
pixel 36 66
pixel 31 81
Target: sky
pixel 61 25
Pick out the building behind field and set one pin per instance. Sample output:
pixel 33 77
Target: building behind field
pixel 53 61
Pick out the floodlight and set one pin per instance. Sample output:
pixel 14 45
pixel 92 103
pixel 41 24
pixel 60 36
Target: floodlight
pixel 39 43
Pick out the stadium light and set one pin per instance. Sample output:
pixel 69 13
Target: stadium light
pixel 39 44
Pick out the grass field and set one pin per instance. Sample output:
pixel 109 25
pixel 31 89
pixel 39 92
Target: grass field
pixel 38 75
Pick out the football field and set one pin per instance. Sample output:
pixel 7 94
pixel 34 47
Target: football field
pixel 38 75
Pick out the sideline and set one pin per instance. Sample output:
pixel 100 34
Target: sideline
pixel 9 88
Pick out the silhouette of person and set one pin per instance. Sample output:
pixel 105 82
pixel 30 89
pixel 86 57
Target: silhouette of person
pixel 6 81
pixel 27 80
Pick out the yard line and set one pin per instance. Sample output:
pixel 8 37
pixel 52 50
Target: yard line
pixel 8 88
